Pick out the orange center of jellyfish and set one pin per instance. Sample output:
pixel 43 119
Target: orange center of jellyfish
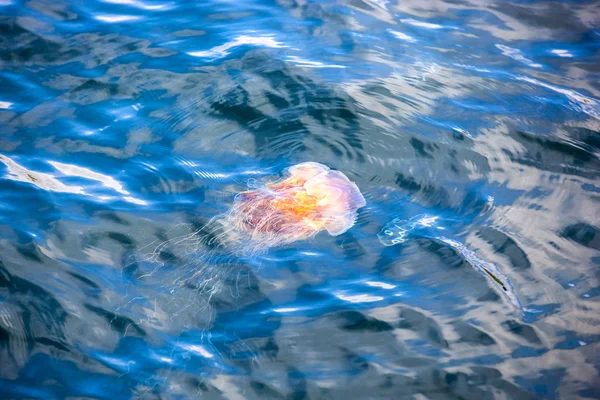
pixel 296 204
pixel 287 202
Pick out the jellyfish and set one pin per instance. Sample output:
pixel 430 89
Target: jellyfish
pixel 196 266
pixel 310 198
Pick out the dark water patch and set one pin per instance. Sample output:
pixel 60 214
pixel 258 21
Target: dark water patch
pixel 471 334
pixel 552 155
pixel 505 245
pixel 31 320
pixel 264 390
pixel 525 331
pixel 426 327
pixel 88 282
pixel 112 217
pixel 118 323
pixel 545 391
pixel 450 257
pixel 354 320
pixel 31 252
pixel 490 296
pixel 583 234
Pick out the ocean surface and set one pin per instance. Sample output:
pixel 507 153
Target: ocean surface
pixel 471 127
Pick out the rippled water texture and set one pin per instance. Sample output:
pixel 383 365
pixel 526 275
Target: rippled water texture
pixel 470 127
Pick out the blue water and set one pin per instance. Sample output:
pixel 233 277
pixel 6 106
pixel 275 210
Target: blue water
pixel 472 129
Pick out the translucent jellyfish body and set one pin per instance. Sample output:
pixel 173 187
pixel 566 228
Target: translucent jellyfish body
pixel 311 198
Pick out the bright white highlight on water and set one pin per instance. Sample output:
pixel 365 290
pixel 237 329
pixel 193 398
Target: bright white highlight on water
pixel 149 166
pixel 285 310
pixel 75 170
pixel 113 19
pixel 212 175
pixel 403 36
pixel 421 24
pixel 462 131
pixel 124 113
pixel 115 362
pixel 135 201
pixel 17 172
pixel 312 64
pixel 223 50
pixel 471 67
pixel 309 253
pixel 358 298
pixel 5 105
pixel 50 182
pixel 218 175
pixel 199 350
pixel 396 232
pixel 382 285
pixel 562 53
pixel 140 4
pixel 427 221
pixel 516 54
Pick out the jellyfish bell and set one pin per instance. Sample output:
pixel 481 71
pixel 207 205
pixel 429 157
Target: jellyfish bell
pixel 309 199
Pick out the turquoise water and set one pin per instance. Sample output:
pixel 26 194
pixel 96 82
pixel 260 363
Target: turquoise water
pixel 471 128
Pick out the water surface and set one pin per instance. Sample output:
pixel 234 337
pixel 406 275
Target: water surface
pixel 471 127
